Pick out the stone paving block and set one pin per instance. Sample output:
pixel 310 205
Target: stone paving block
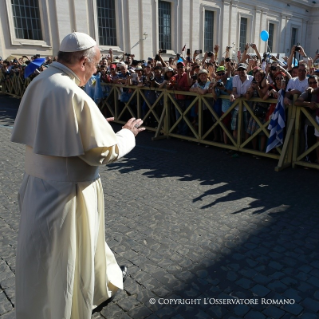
pixel 315 272
pixel 304 287
pixel 275 265
pixel 97 316
pixel 112 310
pixel 9 315
pixel 184 275
pixel 254 315
pixel 245 283
pixel 293 294
pixel 311 304
pixel 273 312
pixel 315 264
pixel 314 281
pixel 231 276
pixel 165 312
pixel 140 312
pixel 8 282
pixel 277 286
pixel 260 290
pixel 128 303
pixel 241 310
pixel 251 263
pixel 5 305
pixel 289 281
pixel 316 295
pixel 217 311
pixel 306 315
pixel 295 309
pixel 261 279
pixel 302 276
pixel 277 275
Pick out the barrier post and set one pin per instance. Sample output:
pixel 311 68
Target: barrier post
pixel 286 156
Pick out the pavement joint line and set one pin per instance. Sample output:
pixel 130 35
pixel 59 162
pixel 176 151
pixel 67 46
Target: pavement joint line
pixel 6 126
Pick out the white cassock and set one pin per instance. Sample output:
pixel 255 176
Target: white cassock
pixel 64 267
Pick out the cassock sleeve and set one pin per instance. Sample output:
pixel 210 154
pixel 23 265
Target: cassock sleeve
pixel 104 155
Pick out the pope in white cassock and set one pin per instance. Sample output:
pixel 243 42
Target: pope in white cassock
pixel 64 268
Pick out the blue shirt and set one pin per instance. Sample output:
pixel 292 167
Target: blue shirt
pixel 225 102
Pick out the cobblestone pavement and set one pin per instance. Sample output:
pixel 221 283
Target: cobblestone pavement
pixel 204 234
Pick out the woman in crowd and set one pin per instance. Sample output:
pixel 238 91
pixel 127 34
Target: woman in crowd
pixel 273 90
pixel 258 89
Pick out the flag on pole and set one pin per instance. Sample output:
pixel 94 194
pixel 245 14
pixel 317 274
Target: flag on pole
pixel 277 124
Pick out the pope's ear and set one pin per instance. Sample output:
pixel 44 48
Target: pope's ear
pixel 83 60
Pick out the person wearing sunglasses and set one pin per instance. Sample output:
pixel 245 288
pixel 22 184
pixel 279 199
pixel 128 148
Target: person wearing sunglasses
pixel 273 89
pixel 309 99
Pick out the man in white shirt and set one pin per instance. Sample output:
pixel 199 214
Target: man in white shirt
pixel 241 83
pixel 296 85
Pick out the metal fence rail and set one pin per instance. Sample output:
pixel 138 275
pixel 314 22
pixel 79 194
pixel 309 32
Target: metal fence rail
pixel 164 114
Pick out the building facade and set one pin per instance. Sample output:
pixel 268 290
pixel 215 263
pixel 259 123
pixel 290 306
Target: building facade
pixel 142 27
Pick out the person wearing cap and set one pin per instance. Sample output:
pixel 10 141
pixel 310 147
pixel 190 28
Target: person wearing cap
pixel 64 267
pixel 241 83
pixel 224 86
pixel 113 73
pixel 168 74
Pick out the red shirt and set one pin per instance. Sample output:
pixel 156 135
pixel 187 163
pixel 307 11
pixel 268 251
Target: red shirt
pixel 181 85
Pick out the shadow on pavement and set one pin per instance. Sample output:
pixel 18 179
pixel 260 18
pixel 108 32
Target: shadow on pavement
pixel 245 232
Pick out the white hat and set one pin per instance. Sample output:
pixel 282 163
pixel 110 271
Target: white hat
pixel 169 69
pixel 202 71
pixel 77 41
pixel 120 64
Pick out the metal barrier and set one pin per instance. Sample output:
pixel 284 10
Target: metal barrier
pixel 13 84
pixel 300 153
pixel 167 116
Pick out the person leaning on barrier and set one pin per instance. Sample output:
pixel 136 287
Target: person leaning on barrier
pixel 241 83
pixel 258 89
pixel 296 85
pixel 224 86
pixel 273 90
pixel 168 74
pixel 309 99
pixel 201 86
pixel 64 267
pixel 181 82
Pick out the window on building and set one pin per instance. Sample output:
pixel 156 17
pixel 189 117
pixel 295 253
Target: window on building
pixel 243 33
pixel 106 22
pixel 164 25
pixel 294 34
pixel 209 31
pixel 271 37
pixel 26 17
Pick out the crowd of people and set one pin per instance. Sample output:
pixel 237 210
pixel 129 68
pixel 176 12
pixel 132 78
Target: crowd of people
pixel 250 75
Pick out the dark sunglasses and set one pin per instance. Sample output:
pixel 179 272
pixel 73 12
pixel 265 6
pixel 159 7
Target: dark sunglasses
pixel 180 67
pixel 278 79
pixel 311 82
pixel 220 74
pixel 273 68
pixel 241 69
